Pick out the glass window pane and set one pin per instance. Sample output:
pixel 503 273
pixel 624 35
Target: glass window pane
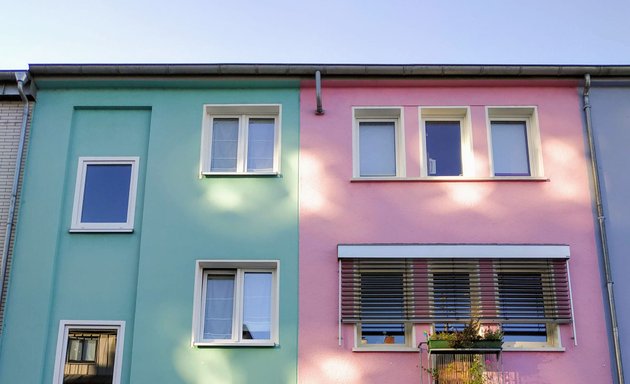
pixel 444 148
pixel 260 145
pixel 106 193
pixel 521 297
pixel 219 307
pixel 372 333
pixel 377 149
pixel 451 299
pixel 509 148
pixel 257 305
pixel 224 144
pixel 90 356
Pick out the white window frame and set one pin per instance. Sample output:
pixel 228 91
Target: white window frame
pixel 239 268
pixel 242 112
pixel 378 114
pixel 408 346
pixel 528 115
pixel 62 343
pixel 454 113
pixel 79 226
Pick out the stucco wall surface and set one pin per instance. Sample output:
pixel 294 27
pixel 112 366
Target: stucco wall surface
pixel 146 278
pixel 334 210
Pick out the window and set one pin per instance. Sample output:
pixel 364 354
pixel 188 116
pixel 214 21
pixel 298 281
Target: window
pixel 236 303
pixel 382 298
pixel 385 289
pixel 447 142
pixel 105 194
pixel 240 139
pixel 515 141
pixel 89 352
pixel 378 143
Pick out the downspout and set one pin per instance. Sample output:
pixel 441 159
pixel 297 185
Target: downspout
pixel 21 78
pixel 602 230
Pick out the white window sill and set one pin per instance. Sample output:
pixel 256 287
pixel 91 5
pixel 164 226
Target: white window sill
pixel 379 348
pixel 533 349
pixel 100 230
pixel 451 178
pixel 235 344
pixel 210 174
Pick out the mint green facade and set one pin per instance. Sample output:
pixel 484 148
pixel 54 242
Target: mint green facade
pixel 146 278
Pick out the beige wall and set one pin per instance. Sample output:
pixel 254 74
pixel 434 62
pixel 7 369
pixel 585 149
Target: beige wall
pixel 11 113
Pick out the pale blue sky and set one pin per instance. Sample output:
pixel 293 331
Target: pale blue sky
pixel 325 31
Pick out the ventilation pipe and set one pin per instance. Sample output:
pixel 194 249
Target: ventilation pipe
pixel 21 78
pixel 612 311
pixel 318 93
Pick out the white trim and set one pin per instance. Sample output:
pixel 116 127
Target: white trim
pixel 450 113
pixel 527 114
pixel 242 112
pixel 62 343
pixel 83 163
pixel 382 114
pixel 478 251
pixel 239 267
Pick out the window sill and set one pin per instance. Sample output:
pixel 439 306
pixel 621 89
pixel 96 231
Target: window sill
pixel 378 348
pixel 100 230
pixel 202 344
pixel 451 178
pixel 239 174
pixel 533 349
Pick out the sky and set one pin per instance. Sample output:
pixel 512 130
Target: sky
pixel 323 31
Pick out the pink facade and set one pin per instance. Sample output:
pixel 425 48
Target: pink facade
pixel 335 208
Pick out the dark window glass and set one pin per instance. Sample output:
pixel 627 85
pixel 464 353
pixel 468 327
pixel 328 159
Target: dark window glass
pixel 382 296
pixel 444 148
pixel 521 297
pixel 106 193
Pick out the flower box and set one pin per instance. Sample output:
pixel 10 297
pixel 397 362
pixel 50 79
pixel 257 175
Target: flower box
pixel 480 344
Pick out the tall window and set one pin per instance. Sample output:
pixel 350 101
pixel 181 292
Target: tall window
pixel 446 141
pixel 514 141
pixel 89 352
pixel 236 306
pixel 444 148
pixel 241 139
pixel 377 142
pixel 451 298
pixel 382 297
pixel 105 194
pixel 521 297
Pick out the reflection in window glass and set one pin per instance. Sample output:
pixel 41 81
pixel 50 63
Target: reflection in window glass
pixel 219 306
pixel 257 305
pixel 444 148
pixel 90 356
pixel 509 148
pixel 106 193
pixel 377 148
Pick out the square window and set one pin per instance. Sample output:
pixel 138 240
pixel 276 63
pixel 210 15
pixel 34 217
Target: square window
pixel 241 139
pixel 89 352
pixel 105 194
pixel 236 303
pixel 377 142
pixel 514 141
pixel 446 141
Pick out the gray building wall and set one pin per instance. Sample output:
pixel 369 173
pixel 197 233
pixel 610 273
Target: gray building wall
pixel 610 107
pixel 11 115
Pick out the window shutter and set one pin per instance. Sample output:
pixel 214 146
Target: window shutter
pixel 517 290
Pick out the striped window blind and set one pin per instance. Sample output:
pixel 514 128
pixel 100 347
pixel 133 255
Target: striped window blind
pixel 506 290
